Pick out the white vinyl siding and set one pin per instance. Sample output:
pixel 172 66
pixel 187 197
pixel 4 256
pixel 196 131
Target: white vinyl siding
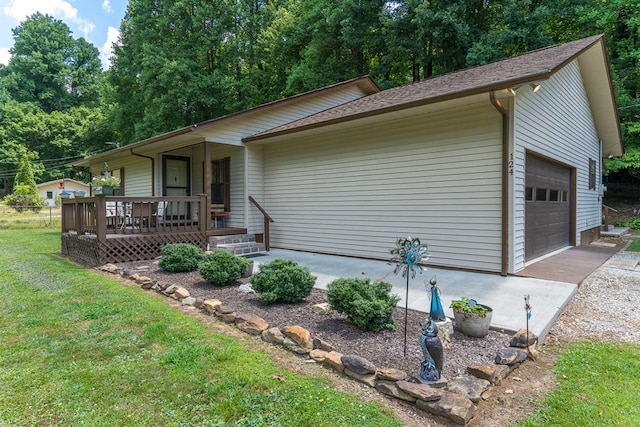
pixel 556 122
pixel 137 174
pixel 355 192
pixel 262 120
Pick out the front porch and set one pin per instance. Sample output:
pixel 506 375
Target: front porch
pixel 112 229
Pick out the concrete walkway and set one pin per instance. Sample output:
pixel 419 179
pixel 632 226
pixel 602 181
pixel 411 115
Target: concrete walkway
pixel 504 294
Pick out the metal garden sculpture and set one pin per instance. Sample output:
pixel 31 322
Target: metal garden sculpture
pixel 436 312
pixel 431 366
pixel 407 256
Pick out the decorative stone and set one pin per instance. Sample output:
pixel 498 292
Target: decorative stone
pixel 519 339
pixel 300 335
pixel 148 285
pixel 199 303
pixel 445 331
pixel 390 388
pixel 273 336
pixel 358 364
pixel 226 314
pixel 318 355
pixel 110 268
pixel 251 324
pixel 420 391
pixel 470 387
pixel 322 345
pixel 453 406
pixel 391 374
pixel 293 346
pixel 510 356
pixel 246 289
pixel 322 308
pixel 368 379
pixel 211 305
pixel 169 290
pixel 532 353
pixel 441 383
pixel 334 359
pixel 181 293
pixel 142 279
pixel 492 373
pixel 190 301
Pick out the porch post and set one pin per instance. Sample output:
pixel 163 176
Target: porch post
pixel 207 184
pixel 204 213
pixel 101 218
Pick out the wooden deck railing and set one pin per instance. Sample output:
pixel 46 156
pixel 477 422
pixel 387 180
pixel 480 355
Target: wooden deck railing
pixel 267 220
pixel 105 215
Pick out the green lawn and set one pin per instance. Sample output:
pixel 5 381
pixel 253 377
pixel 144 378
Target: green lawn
pixel 599 385
pixel 80 348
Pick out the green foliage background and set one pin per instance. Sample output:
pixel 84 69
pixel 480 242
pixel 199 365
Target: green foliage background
pixel 182 62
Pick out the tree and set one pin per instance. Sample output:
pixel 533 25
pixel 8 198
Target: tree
pixel 25 192
pixel 49 68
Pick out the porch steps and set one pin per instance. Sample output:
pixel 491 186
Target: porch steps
pixel 238 244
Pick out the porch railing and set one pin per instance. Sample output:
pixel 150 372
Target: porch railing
pixel 105 215
pixel 267 219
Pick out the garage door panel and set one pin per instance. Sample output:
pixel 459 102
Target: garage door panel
pixel 547 208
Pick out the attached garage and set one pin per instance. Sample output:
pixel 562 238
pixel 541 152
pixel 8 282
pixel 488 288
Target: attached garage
pixel 547 206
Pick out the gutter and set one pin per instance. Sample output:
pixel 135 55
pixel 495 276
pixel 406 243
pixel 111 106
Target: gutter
pixel 153 170
pixel 505 182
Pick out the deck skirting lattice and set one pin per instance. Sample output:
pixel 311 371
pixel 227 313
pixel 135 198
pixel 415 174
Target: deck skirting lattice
pixel 90 251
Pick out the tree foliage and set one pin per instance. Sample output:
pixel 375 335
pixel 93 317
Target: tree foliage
pixel 180 62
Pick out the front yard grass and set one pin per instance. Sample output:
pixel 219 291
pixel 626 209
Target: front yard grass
pixel 80 348
pixel 598 385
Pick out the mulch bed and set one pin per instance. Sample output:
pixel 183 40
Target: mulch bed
pixel 385 349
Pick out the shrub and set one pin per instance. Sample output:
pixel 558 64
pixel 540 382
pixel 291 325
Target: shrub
pixel 282 280
pixel 177 257
pixel 222 267
pixel 368 305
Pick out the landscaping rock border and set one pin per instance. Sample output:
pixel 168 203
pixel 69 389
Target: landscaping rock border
pixel 455 400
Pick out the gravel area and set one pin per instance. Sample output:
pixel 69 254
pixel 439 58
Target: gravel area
pixel 385 349
pixel 606 304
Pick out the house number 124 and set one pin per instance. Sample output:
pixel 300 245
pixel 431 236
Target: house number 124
pixel 511 164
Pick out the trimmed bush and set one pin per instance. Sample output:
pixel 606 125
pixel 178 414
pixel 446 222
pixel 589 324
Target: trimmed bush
pixel 282 281
pixel 368 305
pixel 222 267
pixel 178 257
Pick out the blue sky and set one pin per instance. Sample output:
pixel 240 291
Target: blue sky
pixel 98 21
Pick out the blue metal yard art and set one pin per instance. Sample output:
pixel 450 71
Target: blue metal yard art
pixel 436 312
pixel 407 256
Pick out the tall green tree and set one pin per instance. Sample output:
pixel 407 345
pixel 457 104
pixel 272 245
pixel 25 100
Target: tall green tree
pixel 50 68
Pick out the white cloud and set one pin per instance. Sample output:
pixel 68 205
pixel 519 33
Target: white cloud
pixel 106 6
pixel 59 9
pixel 5 56
pixel 107 48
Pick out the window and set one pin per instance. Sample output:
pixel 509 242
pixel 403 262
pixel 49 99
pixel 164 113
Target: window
pixel 220 182
pixel 528 193
pixel 592 174
pixel 541 194
pixel 49 195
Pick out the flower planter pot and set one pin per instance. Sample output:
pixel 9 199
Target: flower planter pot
pixel 471 324
pixel 249 271
pixel 107 190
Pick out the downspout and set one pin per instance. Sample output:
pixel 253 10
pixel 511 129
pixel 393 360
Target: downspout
pixel 153 170
pixel 505 182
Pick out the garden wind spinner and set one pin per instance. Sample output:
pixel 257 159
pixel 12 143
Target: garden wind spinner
pixel 407 256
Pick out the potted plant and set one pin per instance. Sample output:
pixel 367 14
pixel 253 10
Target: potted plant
pixel 106 182
pixel 471 318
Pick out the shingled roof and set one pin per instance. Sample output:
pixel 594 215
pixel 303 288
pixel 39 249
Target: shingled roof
pixel 532 66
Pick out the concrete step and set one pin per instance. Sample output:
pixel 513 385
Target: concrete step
pixel 238 244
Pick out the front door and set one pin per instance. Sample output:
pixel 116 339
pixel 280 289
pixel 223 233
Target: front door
pixel 176 181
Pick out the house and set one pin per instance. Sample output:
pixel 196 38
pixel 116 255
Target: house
pixel 492 166
pixel 50 190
